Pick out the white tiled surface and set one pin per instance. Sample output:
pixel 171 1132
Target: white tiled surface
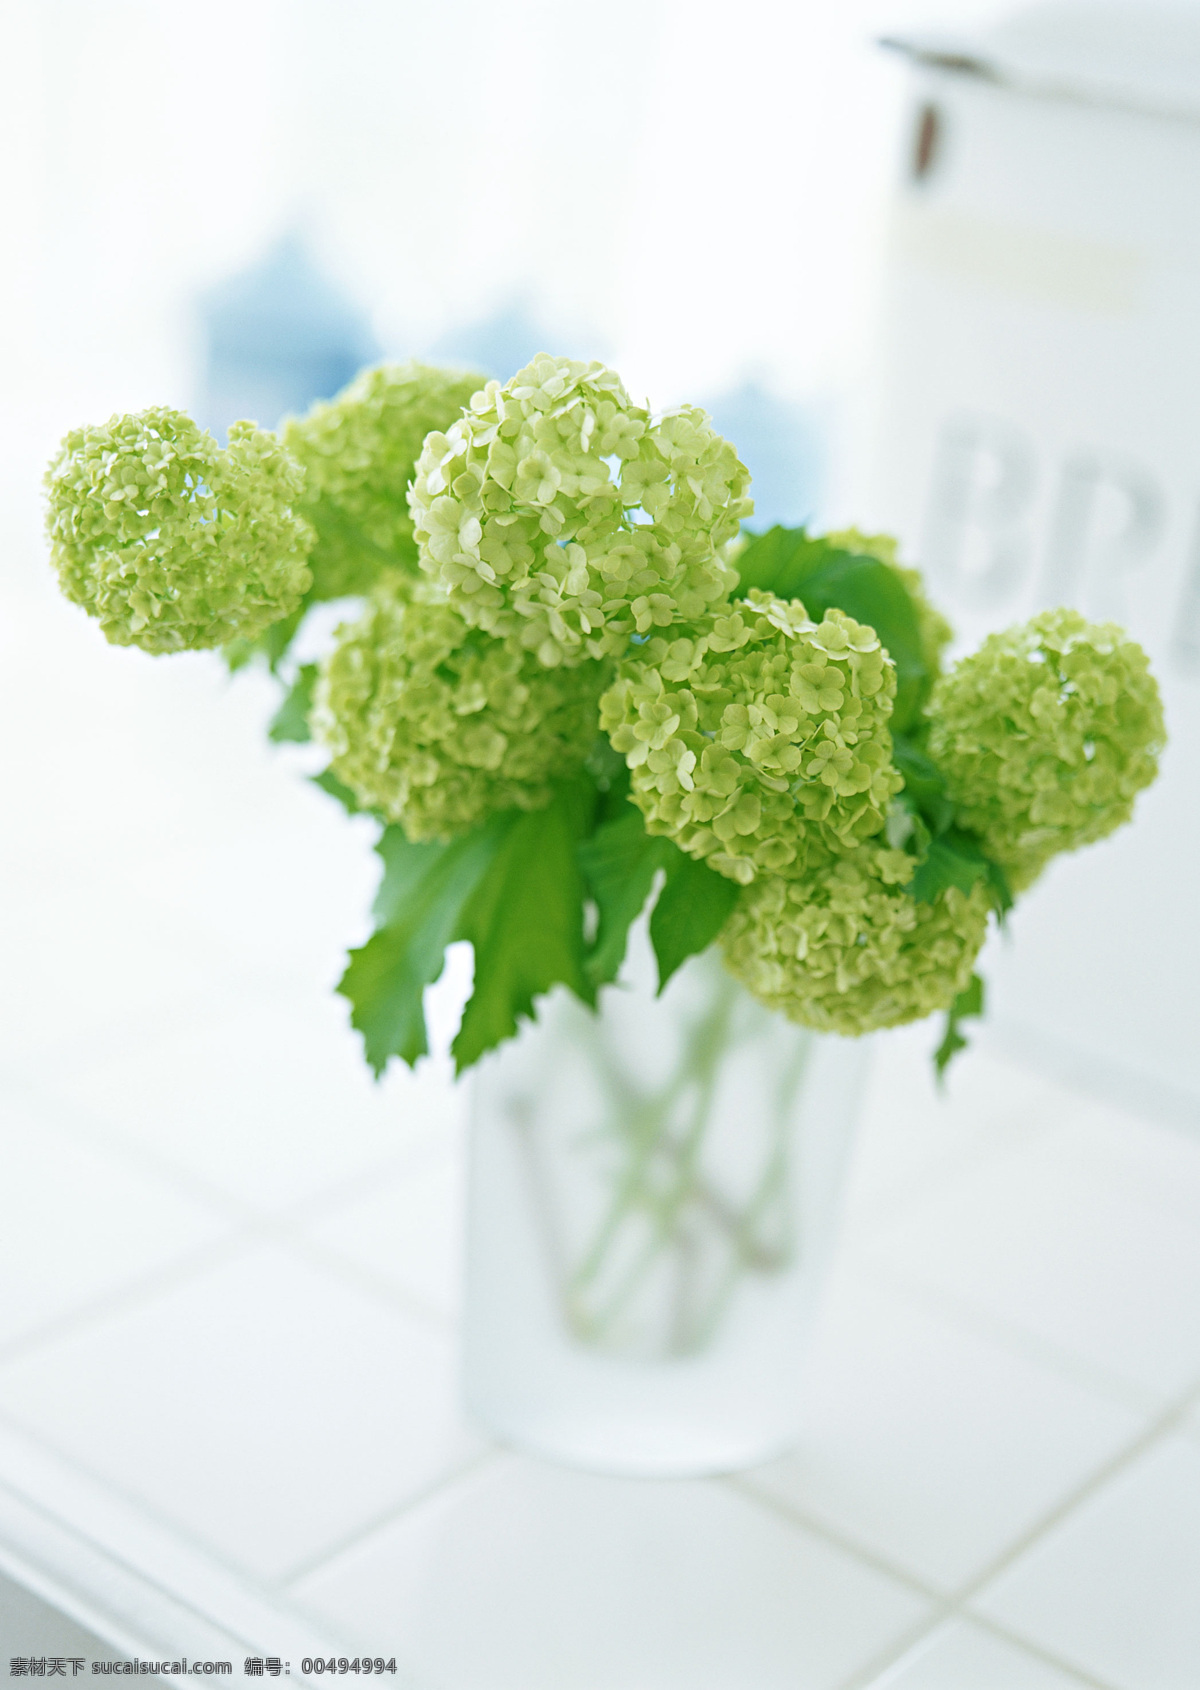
pixel 1115 1585
pixel 291 1377
pixel 932 1445
pixel 962 1656
pixel 229 1293
pixel 60 1252
pixel 409 1229
pixel 575 1580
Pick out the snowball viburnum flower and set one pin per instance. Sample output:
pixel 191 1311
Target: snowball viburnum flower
pixel 560 516
pixel 848 950
pixel 758 734
pixel 359 451
pixel 437 725
pixel 171 542
pixel 1046 735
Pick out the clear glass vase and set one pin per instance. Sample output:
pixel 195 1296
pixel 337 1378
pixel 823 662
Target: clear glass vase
pixel 653 1194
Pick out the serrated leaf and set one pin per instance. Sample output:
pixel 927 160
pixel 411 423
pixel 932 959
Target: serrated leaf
pixel 795 565
pixel 524 918
pixel 693 906
pixel 969 1003
pixel 619 863
pixel 951 860
pixel 290 721
pixel 421 899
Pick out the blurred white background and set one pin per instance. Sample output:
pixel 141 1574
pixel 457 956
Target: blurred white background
pixel 690 190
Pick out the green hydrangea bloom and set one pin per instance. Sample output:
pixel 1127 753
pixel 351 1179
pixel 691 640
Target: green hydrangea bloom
pixel 172 543
pixel 758 733
pixel 360 451
pixel 936 632
pixel 1046 735
pixel 559 515
pixel 847 950
pixel 437 725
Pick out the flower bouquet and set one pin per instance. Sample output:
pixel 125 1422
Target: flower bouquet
pixel 695 796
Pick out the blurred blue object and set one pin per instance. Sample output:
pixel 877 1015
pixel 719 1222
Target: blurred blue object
pixel 498 345
pixel 783 447
pixel 279 336
pixel 505 342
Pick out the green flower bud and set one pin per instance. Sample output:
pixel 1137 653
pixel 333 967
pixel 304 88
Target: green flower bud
pixel 359 451
pixel 438 726
pixel 559 515
pixel 172 543
pixel 758 734
pixel 1046 735
pixel 848 950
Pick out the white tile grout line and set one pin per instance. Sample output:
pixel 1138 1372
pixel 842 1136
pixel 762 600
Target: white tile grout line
pixel 1012 1336
pixel 956 1604
pixel 135 1293
pixel 363 1278
pixel 1070 1669
pixel 189 1007
pixel 796 1515
pixel 394 1165
pixel 129 1500
pixel 101 1585
pixel 247 1226
pixel 97 1135
pixel 230 1586
pixel 885 1675
pixel 380 1522
pixel 143 1288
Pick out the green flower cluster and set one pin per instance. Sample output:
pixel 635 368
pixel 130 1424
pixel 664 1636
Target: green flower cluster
pixel 359 451
pixel 438 726
pixel 544 560
pixel 560 516
pixel 758 734
pixel 170 542
pixel 847 949
pixel 1046 735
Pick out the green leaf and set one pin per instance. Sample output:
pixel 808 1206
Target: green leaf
pixel 619 862
pixel 1002 898
pixel 515 889
pixel 968 1003
pixel 420 903
pixel 524 918
pixel 955 858
pixel 924 785
pixel 795 565
pixel 328 782
pixel 951 860
pixel 290 721
pixel 692 908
